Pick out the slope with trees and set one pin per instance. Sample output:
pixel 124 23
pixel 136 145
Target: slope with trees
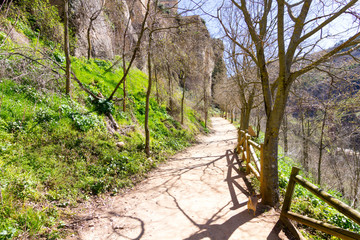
pixel 63 141
pixel 288 33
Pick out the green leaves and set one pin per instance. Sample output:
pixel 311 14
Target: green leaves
pixel 104 106
pixel 306 203
pixel 82 121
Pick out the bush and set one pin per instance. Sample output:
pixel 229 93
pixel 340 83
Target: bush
pixel 43 19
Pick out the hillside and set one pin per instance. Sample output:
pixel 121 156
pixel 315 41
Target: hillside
pixel 58 150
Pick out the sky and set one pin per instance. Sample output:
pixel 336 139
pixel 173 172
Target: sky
pixel 210 6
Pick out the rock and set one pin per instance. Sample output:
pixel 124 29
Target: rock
pixel 108 39
pixel 120 144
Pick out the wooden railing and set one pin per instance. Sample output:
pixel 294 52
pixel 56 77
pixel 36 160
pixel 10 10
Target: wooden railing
pixel 246 147
pixel 319 225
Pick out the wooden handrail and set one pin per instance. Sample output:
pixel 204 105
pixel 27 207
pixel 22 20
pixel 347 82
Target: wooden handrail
pixel 319 225
pixel 247 147
pixel 340 206
pixel 255 158
pixel 255 145
pixel 322 226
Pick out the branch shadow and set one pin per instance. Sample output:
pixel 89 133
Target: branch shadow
pixel 212 230
pixel 274 234
pixel 233 164
pixel 215 231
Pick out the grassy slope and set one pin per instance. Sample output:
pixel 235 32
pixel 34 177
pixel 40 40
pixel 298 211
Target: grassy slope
pixel 56 151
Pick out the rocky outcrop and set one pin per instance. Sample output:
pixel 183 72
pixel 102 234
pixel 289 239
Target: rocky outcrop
pixel 107 36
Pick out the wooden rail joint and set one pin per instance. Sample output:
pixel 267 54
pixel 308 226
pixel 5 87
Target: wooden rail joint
pixel 319 225
pixel 246 149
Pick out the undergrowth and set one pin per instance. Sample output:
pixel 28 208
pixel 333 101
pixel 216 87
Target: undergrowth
pixel 56 151
pixel 305 203
pixel 308 204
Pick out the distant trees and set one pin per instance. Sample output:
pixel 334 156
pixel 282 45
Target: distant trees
pixel 243 69
pixel 165 54
pixel 288 33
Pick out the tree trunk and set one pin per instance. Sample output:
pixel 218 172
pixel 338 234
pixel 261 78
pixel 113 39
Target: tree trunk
pixel 285 131
pixel 67 47
pixel 205 104
pixel 182 101
pixel 89 39
pixel 170 88
pixel 269 169
pixel 147 131
pixel 245 118
pixel 304 143
pixel 124 84
pixel 258 126
pixel 157 87
pixel 321 147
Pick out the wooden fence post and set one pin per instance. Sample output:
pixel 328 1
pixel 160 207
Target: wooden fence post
pixel 261 168
pixel 290 190
pixel 247 149
pixel 287 202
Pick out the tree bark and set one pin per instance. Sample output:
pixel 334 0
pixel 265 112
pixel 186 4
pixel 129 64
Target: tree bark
pixel 269 169
pixel 183 101
pixel 245 118
pixel 67 47
pixel 258 126
pixel 205 103
pixel 157 87
pixel 89 39
pixel 170 87
pixel 124 84
pixel 321 147
pixel 147 131
pixel 304 143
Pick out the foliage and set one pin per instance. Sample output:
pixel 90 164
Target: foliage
pixel 55 151
pixel 41 16
pixel 306 203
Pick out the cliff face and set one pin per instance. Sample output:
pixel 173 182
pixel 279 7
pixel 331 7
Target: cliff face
pixel 107 35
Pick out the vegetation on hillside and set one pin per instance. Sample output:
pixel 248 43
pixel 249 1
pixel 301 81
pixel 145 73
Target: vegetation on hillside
pixel 56 150
pixel 306 203
pixel 280 43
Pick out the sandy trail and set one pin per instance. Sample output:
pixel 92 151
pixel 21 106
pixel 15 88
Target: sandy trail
pixel 197 194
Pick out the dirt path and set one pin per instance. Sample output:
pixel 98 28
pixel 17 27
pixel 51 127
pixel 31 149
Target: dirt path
pixel 198 194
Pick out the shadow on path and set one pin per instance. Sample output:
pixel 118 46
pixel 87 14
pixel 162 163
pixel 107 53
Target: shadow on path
pixel 223 231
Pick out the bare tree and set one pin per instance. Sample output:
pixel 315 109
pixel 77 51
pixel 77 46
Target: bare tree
pixel 92 18
pixel 134 53
pixel 287 32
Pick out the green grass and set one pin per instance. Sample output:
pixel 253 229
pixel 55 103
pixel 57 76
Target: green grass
pixel 307 204
pixel 55 151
